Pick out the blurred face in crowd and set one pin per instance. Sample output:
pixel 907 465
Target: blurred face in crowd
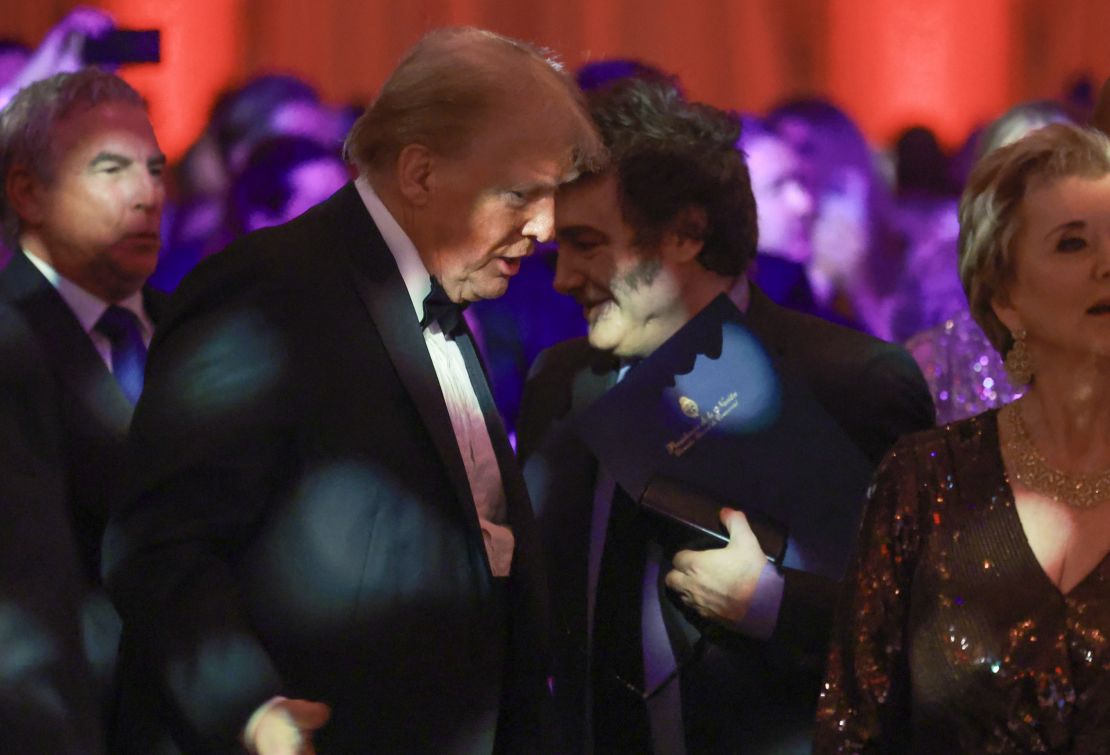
pixel 309 183
pixel 486 209
pixel 304 118
pixel 295 117
pixel 1060 289
pixel 96 219
pixel 841 230
pixel 835 167
pixel 631 297
pixel 784 204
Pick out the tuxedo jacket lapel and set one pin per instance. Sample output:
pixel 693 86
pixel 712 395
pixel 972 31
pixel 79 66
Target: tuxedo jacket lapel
pixel 762 318
pixel 599 376
pixel 154 302
pixel 588 386
pixel 379 285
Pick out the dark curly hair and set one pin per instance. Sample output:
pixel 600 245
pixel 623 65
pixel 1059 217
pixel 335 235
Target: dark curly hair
pixel 671 155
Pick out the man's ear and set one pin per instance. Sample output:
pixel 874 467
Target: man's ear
pixel 23 192
pixel 686 236
pixel 414 172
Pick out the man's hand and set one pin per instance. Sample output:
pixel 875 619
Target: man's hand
pixel 284 727
pixel 719 584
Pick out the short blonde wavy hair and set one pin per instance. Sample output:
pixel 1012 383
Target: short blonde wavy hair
pixel 448 85
pixel 990 205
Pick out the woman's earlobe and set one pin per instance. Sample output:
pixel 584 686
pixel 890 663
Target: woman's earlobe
pixel 1005 312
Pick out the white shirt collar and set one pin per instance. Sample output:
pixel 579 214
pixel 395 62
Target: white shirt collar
pixel 417 280
pixel 87 307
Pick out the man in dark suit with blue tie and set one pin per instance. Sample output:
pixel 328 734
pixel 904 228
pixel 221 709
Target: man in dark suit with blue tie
pixel 81 209
pixel 659 649
pixel 330 544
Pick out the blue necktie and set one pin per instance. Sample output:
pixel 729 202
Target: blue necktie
pixel 121 327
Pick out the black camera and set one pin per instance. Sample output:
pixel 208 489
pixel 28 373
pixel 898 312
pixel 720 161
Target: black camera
pixel 121 46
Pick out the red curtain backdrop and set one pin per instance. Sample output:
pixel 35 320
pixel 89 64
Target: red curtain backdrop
pixel 947 64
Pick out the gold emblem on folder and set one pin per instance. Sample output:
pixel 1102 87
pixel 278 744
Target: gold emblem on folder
pixel 689 407
pixel 706 422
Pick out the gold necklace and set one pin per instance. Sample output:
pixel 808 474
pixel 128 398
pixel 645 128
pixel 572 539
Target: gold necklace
pixel 1033 471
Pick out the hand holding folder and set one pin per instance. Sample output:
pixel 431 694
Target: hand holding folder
pixel 699 517
pixel 709 419
pixel 718 586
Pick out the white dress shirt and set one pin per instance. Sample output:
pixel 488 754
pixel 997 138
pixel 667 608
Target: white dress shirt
pixel 462 404
pixel 88 308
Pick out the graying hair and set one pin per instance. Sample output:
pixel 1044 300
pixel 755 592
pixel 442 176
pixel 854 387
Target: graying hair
pixel 1019 121
pixel 991 204
pixel 27 124
pixel 448 83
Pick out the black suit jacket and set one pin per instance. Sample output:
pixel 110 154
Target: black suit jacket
pixel 47 702
pixel 744 695
pixel 92 414
pixel 302 522
pixel 82 405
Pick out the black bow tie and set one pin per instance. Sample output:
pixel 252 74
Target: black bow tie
pixel 439 308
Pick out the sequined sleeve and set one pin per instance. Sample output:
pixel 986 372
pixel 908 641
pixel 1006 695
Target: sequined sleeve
pixel 864 703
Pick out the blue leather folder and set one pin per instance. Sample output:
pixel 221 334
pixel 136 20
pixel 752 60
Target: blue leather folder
pixel 711 419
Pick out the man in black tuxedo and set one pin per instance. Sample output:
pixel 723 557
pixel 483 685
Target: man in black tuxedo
pixel 644 245
pixel 328 517
pixel 82 207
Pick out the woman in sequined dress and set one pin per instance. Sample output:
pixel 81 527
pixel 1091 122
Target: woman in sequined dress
pixel 977 616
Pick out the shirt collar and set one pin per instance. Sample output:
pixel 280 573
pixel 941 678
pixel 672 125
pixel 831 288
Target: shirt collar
pixel 417 280
pixel 741 294
pixel 87 307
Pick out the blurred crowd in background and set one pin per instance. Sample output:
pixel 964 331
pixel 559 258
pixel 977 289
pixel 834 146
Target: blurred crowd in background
pixel 859 233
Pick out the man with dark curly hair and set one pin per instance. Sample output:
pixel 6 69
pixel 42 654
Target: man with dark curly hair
pixel 644 245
